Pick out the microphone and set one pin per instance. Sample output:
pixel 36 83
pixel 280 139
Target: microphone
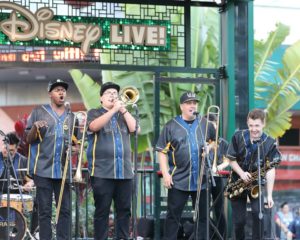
pixel 196 113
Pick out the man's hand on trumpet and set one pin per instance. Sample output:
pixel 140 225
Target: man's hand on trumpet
pixel 119 106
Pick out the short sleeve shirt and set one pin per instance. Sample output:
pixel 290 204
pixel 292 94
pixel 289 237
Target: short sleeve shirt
pixel 183 143
pixel 109 149
pixel 242 150
pixel 47 154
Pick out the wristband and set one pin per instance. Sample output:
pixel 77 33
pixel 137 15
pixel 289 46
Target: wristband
pixel 124 112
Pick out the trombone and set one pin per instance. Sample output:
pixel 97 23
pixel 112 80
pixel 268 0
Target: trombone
pixel 82 125
pixel 212 113
pixel 213 117
pixel 79 122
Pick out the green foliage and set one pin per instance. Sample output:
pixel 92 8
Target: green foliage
pixel 282 93
pixel 205 34
pixel 88 89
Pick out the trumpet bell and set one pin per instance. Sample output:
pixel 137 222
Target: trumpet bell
pixel 129 95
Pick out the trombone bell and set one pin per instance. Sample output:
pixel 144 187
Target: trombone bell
pixel 129 95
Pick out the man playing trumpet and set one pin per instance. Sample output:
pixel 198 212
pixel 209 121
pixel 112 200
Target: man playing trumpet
pixel 109 157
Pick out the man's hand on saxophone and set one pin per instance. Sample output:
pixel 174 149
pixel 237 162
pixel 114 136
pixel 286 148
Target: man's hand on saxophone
pixel 245 176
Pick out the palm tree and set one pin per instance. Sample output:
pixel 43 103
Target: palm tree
pixel 280 94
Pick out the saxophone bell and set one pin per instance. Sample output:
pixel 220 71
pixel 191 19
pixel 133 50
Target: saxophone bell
pixel 254 191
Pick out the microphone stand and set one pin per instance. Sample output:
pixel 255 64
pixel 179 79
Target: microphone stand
pixel 260 214
pixel 134 203
pixel 70 163
pixel 8 164
pixel 208 171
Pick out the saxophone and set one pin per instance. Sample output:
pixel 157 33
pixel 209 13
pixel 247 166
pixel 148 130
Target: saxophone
pixel 236 188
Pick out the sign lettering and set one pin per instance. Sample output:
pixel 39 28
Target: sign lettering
pixel 21 25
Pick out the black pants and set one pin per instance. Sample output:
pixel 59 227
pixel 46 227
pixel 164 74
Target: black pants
pixel 34 222
pixel 239 214
pixel 106 190
pixel 218 206
pixel 45 187
pixel 176 202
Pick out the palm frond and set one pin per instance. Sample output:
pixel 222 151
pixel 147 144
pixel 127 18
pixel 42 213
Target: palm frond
pixel 87 87
pixel 265 49
pixel 281 93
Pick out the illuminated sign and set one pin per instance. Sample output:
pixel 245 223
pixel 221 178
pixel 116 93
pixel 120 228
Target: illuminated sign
pixel 23 28
pixel 51 55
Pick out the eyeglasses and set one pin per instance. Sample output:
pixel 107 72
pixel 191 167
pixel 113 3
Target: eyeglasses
pixel 115 94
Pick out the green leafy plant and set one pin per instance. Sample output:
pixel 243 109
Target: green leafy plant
pixel 280 94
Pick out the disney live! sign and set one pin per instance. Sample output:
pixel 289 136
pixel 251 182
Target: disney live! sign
pixel 23 27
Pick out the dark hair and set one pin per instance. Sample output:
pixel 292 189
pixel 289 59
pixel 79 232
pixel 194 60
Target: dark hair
pixel 257 114
pixel 283 204
pixel 12 138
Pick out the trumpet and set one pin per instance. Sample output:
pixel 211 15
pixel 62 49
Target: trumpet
pixel 129 95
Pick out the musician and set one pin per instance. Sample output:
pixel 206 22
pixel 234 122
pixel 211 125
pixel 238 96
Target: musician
pixel 19 163
pixel 243 155
pixel 109 157
pixel 217 191
pixel 48 129
pixel 180 147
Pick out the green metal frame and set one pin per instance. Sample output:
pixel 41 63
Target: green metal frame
pixel 227 89
pixel 230 50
